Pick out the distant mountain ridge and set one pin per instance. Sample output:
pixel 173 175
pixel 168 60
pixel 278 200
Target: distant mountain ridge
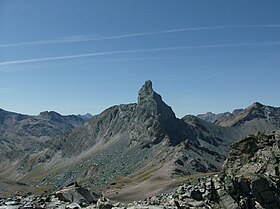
pixel 254 111
pixel 22 134
pixel 46 124
pixel 86 116
pixel 127 140
pixel 212 117
pixel 240 116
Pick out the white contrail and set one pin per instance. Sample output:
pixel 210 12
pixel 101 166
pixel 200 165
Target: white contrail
pixel 12 62
pixel 73 39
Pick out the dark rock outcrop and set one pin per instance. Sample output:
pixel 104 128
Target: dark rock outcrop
pixel 253 168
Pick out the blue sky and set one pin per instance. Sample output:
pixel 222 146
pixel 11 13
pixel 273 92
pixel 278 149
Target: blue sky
pixel 75 56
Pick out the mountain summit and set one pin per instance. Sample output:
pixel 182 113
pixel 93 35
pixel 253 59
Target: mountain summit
pixel 154 121
pixel 252 115
pixel 146 91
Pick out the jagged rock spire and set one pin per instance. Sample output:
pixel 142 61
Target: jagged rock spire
pixel 146 91
pixel 154 121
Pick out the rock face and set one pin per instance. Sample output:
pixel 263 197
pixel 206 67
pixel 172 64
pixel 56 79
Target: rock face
pixel 207 131
pixel 255 154
pixel 253 167
pixel 154 121
pixel 110 125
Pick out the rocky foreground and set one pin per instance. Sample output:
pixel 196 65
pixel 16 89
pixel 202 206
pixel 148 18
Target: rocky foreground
pixel 250 179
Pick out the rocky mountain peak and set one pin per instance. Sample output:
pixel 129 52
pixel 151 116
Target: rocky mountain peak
pixel 256 111
pixel 49 114
pixel 212 117
pixel 154 121
pixel 149 100
pixel 237 111
pixel 146 94
pixel 146 91
pixel 86 116
pixel 255 105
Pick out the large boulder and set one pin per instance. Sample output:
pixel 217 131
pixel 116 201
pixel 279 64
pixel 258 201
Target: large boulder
pixel 75 193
